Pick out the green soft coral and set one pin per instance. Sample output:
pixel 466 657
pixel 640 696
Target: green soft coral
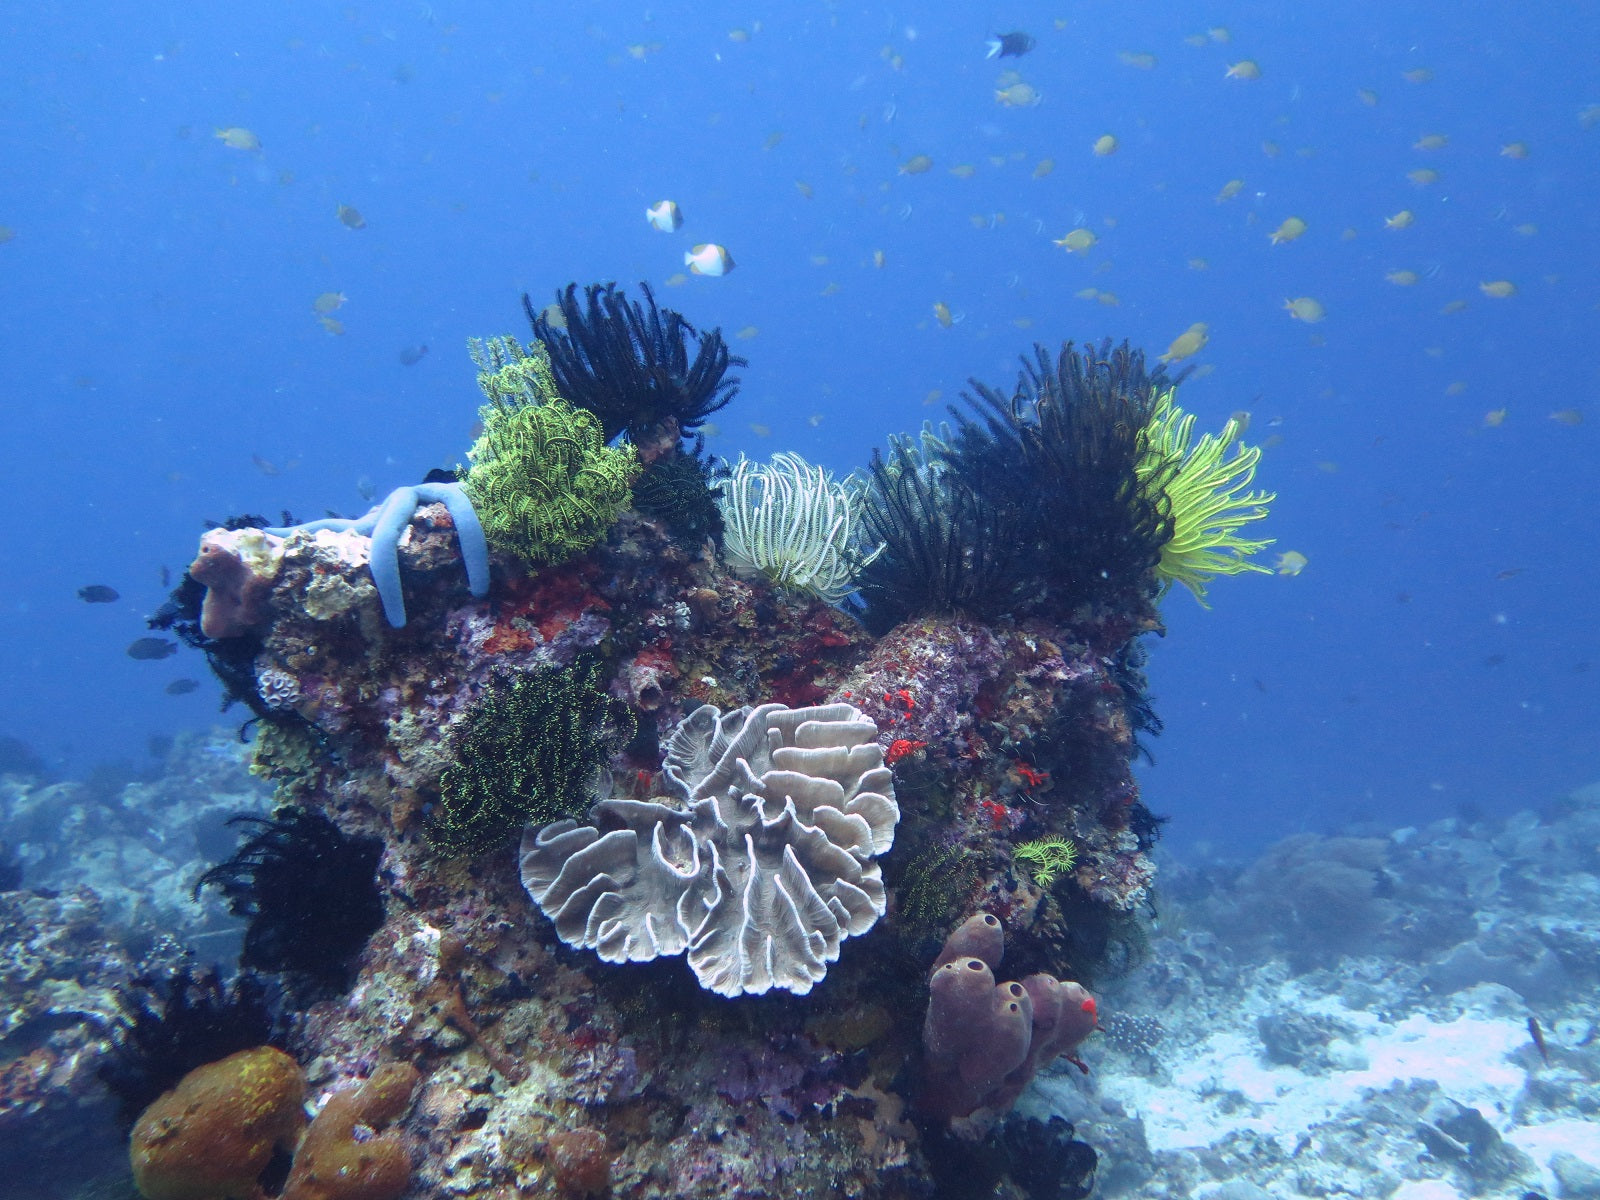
pixel 1205 488
pixel 543 481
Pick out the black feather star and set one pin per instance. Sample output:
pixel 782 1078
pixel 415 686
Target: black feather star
pixel 167 1027
pixel 309 893
pixel 630 364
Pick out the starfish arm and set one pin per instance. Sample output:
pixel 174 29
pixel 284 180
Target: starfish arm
pixel 393 517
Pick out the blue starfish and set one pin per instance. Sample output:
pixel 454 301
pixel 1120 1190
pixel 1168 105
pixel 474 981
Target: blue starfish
pixel 388 521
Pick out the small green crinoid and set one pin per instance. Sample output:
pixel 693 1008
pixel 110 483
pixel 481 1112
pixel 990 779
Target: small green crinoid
pixel 543 481
pixel 1046 859
pixel 1205 489
pixel 530 751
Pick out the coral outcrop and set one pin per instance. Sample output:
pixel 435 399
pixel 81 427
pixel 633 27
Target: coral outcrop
pixel 758 872
pixel 237 568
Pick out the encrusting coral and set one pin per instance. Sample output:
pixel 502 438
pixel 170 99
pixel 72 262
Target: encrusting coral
pixel 760 871
pixel 1204 491
pixel 796 525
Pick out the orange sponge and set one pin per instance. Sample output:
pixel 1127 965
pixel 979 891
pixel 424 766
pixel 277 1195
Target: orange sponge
pixel 212 1135
pixel 333 1163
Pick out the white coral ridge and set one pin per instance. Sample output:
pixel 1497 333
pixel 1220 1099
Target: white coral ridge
pixel 761 868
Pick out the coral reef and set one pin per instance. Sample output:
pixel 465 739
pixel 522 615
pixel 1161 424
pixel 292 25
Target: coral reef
pixel 237 568
pixel 758 873
pixel 794 524
pixel 719 755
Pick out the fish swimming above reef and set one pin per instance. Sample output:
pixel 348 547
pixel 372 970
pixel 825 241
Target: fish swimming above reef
pixel 151 649
pixel 181 687
pixel 412 355
pixel 1009 45
pixel 708 259
pixel 351 218
pixel 99 593
pixel 238 138
pixel 664 215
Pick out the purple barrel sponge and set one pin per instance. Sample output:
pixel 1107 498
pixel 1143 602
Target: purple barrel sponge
pixel 985 1040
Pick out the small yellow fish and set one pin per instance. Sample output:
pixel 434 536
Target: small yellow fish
pixel 676 279
pixel 1219 34
pixel 773 140
pixel 1230 189
pixel 748 332
pixel 1291 562
pixel 333 325
pixel 328 302
pixel 1304 308
pixel 819 260
pixel 1514 150
pixel 1240 421
pixel 963 170
pixel 1195 39
pixel 1402 278
pixel 1109 299
pixel 708 258
pixel 1453 307
pixel 805 189
pixel 1271 148
pixel 1567 416
pixel 1079 241
pixel 760 430
pixel 1526 229
pixel 1105 145
pixel 878 259
pixel 1417 75
pixel 814 420
pixel 665 216
pixel 741 36
pixel 238 138
pixel 1367 96
pixel 1494 418
pixel 1018 95
pixel 1401 220
pixel 554 317
pixel 1139 61
pixel 1087 294
pixel 350 218
pixel 1423 176
pixel 1198 264
pixel 941 313
pixel 1500 289
pixel 916 165
pixel 1291 228
pixel 1188 343
pixel 1456 387
pixel 1431 141
pixel 1244 69
pixel 1044 167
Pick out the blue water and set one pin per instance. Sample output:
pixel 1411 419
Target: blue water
pixel 161 363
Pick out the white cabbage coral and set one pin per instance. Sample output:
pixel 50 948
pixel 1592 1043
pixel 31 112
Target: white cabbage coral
pixel 758 867
pixel 795 524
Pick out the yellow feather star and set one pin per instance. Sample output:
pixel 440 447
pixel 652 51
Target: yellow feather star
pixel 1205 489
